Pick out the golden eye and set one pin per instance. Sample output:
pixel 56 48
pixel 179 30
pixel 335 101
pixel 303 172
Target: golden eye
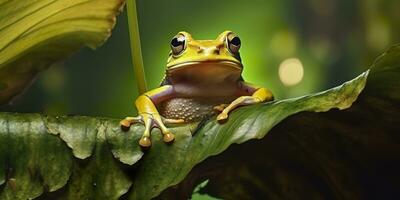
pixel 178 44
pixel 233 43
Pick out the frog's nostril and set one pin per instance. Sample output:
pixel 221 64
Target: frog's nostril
pixel 200 50
pixel 216 51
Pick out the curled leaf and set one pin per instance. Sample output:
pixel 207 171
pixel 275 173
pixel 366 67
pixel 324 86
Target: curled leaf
pixel 36 33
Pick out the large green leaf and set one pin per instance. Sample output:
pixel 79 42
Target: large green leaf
pixel 36 33
pixel 106 163
pixel 339 154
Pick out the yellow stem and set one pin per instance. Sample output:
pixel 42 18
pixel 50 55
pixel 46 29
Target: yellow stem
pixel 136 52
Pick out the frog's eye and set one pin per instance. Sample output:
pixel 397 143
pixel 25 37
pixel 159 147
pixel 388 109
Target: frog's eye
pixel 178 44
pixel 233 43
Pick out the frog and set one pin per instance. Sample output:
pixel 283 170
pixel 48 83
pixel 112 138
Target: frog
pixel 202 78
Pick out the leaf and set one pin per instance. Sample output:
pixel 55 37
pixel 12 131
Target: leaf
pixel 247 123
pixel 102 162
pixel 100 178
pixel 32 162
pixel 36 33
pixel 350 154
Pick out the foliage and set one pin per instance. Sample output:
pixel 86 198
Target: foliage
pixel 35 34
pixel 75 157
pixel 339 154
pixel 106 163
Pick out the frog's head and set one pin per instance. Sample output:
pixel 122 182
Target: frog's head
pixel 218 60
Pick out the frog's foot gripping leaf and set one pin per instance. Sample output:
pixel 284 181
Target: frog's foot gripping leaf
pixel 151 120
pixel 260 95
pixel 241 101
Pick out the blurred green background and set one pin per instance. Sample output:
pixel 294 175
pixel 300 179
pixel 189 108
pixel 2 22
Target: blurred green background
pixel 329 41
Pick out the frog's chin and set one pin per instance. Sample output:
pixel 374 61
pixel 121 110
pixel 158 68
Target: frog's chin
pixel 206 72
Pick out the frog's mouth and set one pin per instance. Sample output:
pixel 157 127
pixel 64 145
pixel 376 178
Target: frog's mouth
pixel 205 71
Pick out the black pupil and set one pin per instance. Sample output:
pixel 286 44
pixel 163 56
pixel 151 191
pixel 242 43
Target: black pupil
pixel 176 42
pixel 235 41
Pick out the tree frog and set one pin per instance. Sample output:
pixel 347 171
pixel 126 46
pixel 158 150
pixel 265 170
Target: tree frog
pixel 203 77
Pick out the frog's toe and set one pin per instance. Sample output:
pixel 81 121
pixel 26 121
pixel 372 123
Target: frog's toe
pixel 173 121
pixel 150 121
pixel 222 116
pixel 145 142
pixel 168 137
pixel 128 121
pixel 125 123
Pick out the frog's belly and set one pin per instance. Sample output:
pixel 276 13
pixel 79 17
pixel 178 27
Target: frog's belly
pixel 190 109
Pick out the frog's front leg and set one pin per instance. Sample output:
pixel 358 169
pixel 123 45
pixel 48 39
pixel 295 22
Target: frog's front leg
pixel 149 116
pixel 252 95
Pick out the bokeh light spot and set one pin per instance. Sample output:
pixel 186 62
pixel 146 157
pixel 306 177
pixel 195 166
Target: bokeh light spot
pixel 291 71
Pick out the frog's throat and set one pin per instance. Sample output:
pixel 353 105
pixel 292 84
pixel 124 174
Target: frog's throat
pixel 224 63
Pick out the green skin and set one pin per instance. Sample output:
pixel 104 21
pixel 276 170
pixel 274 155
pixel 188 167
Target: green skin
pixel 203 77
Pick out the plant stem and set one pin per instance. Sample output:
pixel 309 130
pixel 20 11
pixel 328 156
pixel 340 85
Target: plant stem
pixel 136 52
